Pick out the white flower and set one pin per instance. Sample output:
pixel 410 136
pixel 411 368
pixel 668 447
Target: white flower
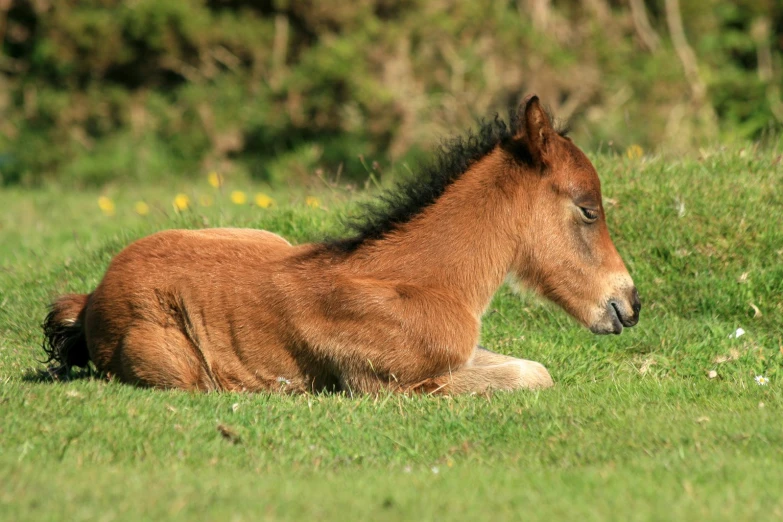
pixel 680 208
pixel 738 333
pixel 761 380
pixel 283 380
pixel 435 469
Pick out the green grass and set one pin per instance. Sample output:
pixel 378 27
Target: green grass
pixel 634 430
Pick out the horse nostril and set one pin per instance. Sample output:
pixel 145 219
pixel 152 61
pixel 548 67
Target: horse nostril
pixel 636 304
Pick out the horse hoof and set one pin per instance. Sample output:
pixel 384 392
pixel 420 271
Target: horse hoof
pixel 533 375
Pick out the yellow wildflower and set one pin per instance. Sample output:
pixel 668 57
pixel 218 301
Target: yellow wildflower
pixel 312 202
pixel 264 201
pixel 238 197
pixel 141 208
pixel 215 179
pixel 205 201
pixel 634 152
pixel 181 202
pixel 106 205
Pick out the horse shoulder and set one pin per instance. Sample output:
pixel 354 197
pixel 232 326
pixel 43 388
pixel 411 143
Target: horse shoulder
pixel 373 317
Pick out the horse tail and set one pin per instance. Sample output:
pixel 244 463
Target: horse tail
pixel 64 341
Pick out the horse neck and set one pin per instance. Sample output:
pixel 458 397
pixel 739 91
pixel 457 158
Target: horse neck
pixel 463 243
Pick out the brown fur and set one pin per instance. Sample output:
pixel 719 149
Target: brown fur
pixel 231 309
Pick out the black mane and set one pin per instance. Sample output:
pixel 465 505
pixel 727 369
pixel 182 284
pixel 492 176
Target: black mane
pixel 411 196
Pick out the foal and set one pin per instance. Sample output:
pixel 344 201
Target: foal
pixel 398 306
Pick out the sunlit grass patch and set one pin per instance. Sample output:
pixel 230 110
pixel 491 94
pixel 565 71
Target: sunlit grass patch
pixel 671 420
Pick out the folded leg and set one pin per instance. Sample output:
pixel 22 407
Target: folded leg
pixel 487 371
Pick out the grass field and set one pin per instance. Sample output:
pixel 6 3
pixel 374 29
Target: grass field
pixel 636 428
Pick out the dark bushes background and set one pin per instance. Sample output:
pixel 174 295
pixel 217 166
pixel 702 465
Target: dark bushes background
pixel 96 90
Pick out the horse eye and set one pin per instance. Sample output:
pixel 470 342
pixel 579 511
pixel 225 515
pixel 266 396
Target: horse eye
pixel 589 215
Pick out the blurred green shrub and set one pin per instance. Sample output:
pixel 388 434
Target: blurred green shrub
pixel 99 90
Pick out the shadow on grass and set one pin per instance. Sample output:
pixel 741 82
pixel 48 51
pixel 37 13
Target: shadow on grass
pixel 59 375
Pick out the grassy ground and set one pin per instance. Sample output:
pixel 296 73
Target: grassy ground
pixel 635 429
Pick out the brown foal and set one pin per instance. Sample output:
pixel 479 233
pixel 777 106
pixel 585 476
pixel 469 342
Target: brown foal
pixel 398 306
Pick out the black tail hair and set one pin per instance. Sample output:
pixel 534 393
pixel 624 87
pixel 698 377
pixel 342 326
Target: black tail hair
pixel 64 342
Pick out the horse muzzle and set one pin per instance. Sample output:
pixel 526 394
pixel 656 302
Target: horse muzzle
pixel 619 313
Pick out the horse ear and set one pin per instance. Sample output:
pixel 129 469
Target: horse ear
pixel 536 125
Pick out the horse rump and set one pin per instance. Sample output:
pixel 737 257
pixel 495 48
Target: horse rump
pixel 64 341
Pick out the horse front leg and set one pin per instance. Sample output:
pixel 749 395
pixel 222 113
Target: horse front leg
pixel 487 371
